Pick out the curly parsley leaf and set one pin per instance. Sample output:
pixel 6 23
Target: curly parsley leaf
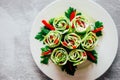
pixel 92 56
pixel 45 59
pixel 78 14
pixel 51 21
pixel 98 34
pixel 69 68
pixel 98 24
pixel 44 49
pixel 40 36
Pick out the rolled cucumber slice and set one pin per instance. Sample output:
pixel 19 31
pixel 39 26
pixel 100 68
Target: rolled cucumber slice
pixel 61 24
pixel 77 56
pixel 52 39
pixel 89 41
pixel 59 56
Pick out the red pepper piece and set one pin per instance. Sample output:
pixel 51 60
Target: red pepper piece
pixel 74 47
pixel 63 24
pixel 67 26
pixel 51 37
pixel 79 22
pixel 90 55
pixel 84 53
pixel 47 52
pixel 72 15
pixel 98 29
pixel 56 41
pixel 90 41
pixel 47 25
pixel 64 43
pixel 72 42
pixel 83 23
pixel 72 25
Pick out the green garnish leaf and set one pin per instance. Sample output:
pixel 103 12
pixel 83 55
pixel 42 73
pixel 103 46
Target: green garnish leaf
pixel 69 11
pixel 44 31
pixel 51 21
pixel 69 68
pixel 78 14
pixel 44 49
pixel 40 36
pixel 45 59
pixel 98 34
pixel 98 24
pixel 92 56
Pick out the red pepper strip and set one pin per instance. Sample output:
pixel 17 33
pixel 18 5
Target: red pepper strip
pixel 72 42
pixel 67 26
pixel 79 22
pixel 84 53
pixel 74 47
pixel 47 52
pixel 56 41
pixel 64 43
pixel 83 24
pixel 47 25
pixel 98 29
pixel 72 15
pixel 72 25
pixel 51 37
pixel 90 55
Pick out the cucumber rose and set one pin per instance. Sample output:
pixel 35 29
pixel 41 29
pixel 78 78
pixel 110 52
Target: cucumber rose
pixel 71 41
pixel 52 39
pixel 80 24
pixel 59 56
pixel 77 56
pixel 89 41
pixel 61 24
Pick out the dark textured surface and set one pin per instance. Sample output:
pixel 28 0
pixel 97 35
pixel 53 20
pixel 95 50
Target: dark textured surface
pixel 16 18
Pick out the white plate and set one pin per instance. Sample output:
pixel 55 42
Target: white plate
pixel 107 47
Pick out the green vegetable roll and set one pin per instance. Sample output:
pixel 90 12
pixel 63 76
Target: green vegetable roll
pixel 53 39
pixel 89 41
pixel 61 24
pixel 71 41
pixel 80 24
pixel 59 56
pixel 77 56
